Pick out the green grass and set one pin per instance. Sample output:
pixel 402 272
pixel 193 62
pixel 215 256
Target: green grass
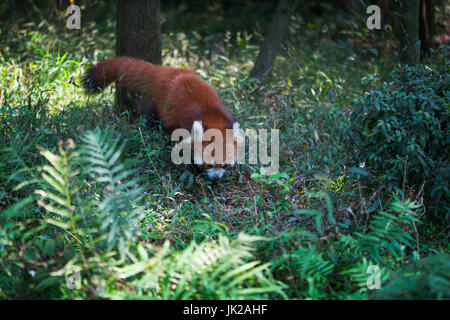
pixel 160 232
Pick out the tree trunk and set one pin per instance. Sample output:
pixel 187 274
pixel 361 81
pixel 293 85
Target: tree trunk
pixel 408 30
pixel 138 35
pixel 275 34
pixel 427 24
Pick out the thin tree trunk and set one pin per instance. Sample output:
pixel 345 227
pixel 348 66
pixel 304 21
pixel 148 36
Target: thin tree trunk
pixel 275 34
pixel 138 35
pixel 427 24
pixel 408 30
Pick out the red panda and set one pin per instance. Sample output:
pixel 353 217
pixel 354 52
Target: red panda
pixel 181 99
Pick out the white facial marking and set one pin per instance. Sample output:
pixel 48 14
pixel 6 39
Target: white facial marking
pixel 214 173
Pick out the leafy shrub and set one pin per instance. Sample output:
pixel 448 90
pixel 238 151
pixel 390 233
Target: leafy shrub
pixel 403 122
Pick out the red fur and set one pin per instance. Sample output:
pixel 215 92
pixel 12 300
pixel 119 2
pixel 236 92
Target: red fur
pixel 179 96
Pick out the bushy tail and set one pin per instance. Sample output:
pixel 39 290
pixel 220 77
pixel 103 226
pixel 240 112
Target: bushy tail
pixel 134 74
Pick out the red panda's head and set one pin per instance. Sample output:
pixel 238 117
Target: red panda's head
pixel 215 150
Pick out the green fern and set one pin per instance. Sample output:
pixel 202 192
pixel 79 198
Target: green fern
pixel 310 268
pixel 119 207
pixel 390 231
pixel 57 191
pixel 202 271
pixel 428 278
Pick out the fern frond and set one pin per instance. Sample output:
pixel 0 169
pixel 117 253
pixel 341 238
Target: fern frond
pixel 427 278
pixel 56 192
pixel 390 232
pixel 121 193
pixel 203 271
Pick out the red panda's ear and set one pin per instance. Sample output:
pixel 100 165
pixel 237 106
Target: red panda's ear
pixel 197 131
